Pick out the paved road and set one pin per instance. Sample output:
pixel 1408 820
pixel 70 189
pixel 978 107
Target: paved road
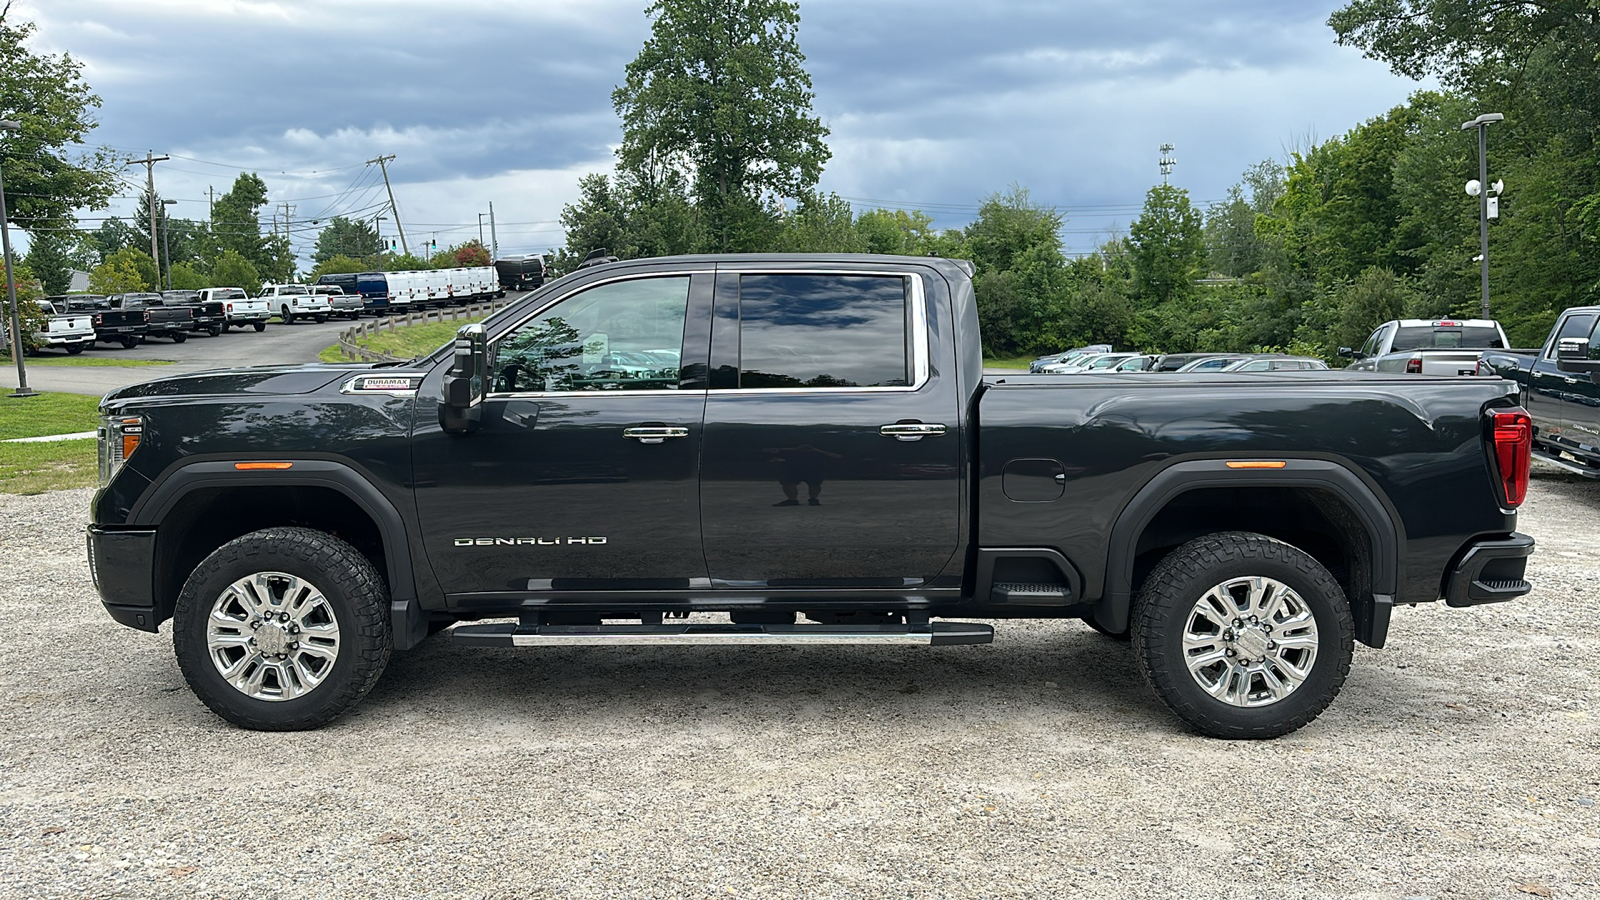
pixel 300 342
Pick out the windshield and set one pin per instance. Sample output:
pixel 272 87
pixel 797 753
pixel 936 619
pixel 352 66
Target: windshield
pixel 1444 337
pixel 1106 362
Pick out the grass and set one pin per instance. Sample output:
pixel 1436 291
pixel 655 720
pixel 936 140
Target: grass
pixel 47 466
pixel 91 361
pixel 406 341
pixel 47 414
pixel 1008 362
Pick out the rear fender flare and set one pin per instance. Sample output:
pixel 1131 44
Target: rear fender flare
pixel 1381 524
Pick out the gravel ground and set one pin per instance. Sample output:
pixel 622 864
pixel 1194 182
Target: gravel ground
pixel 1460 762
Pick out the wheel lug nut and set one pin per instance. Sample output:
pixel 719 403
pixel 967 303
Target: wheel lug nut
pixel 1229 651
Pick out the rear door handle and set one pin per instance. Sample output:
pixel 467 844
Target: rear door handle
pixel 654 434
pixel 911 431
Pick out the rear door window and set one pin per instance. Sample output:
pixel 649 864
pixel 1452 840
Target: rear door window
pixel 823 331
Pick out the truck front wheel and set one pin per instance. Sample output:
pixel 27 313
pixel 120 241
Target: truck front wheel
pixel 1242 635
pixel 283 629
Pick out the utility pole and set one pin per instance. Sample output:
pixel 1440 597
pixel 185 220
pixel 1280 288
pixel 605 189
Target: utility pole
pixel 1167 162
pixel 480 229
pixel 288 238
pixel 393 210
pixel 149 163
pixel 494 248
pixel 211 203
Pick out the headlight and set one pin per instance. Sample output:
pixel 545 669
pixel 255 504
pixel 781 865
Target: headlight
pixel 119 437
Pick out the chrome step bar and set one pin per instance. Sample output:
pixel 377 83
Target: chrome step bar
pixel 1564 463
pixel 508 634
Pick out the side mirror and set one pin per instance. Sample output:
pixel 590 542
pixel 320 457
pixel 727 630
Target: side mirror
pixel 465 383
pixel 1573 355
pixel 1348 352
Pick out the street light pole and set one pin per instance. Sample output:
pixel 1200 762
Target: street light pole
pixel 11 283
pixel 1482 124
pixel 166 252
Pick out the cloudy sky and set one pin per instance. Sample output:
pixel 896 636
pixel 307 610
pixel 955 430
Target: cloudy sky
pixel 933 104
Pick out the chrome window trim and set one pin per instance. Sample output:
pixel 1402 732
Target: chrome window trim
pixel 627 276
pixel 920 365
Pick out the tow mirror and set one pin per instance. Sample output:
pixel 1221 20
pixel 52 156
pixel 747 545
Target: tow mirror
pixel 1348 353
pixel 465 383
pixel 1577 356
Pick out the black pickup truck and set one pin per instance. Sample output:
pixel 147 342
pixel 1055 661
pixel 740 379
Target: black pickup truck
pixel 112 326
pixel 209 315
pixel 1559 389
pixel 778 437
pixel 171 322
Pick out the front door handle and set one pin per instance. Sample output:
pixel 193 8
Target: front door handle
pixel 911 431
pixel 655 433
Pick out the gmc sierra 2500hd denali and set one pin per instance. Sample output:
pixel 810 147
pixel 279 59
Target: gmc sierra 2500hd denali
pixel 775 437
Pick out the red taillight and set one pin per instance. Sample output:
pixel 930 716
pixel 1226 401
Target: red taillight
pixel 147 317
pixel 1513 450
pixel 1414 366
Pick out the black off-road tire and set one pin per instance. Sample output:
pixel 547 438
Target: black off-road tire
pixel 214 330
pixel 129 342
pixel 259 326
pixel 354 591
pixel 286 316
pixel 75 349
pixel 179 337
pixel 1161 612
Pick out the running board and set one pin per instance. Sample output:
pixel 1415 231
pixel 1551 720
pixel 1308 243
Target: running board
pixel 1568 464
pixel 508 634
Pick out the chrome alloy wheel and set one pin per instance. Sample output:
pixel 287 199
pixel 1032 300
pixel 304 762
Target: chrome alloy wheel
pixel 273 636
pixel 1250 641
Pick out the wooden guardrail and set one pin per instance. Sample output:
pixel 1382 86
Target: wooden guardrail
pixel 349 347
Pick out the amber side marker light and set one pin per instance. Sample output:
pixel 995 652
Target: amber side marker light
pixel 245 467
pixel 1254 464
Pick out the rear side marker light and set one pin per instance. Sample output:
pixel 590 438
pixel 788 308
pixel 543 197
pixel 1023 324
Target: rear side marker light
pixel 249 466
pixel 1254 464
pixel 1513 453
pixel 1414 366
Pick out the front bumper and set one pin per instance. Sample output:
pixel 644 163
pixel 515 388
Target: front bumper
pixel 122 564
pixel 1490 571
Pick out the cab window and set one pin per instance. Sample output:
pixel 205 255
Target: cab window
pixel 622 336
pixel 823 331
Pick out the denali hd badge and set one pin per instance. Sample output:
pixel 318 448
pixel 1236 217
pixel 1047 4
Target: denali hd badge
pixel 527 541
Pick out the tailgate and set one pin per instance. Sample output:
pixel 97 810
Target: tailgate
pixel 1449 362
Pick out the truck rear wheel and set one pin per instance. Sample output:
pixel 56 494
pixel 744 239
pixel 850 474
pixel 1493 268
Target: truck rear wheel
pixel 286 316
pixel 1242 635
pixel 259 326
pixel 129 342
pixel 75 349
pixel 179 337
pixel 282 629
pixel 214 330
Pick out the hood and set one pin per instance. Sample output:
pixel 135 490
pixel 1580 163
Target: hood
pixel 302 379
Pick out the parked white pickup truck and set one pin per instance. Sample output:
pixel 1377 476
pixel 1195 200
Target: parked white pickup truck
pixel 66 330
pixel 1427 346
pixel 291 301
pixel 241 308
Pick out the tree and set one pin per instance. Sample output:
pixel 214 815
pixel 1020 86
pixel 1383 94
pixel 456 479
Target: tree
pixel 1168 246
pixel 236 226
pixel 719 93
pixel 350 238
pixel 340 265
pixel 821 224
pixel 117 275
pixel 112 235
pixel 50 261
pixel 895 231
pixel 140 262
pixel 46 176
pixel 232 269
pixel 1463 40
pixel 471 253
pixel 185 277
